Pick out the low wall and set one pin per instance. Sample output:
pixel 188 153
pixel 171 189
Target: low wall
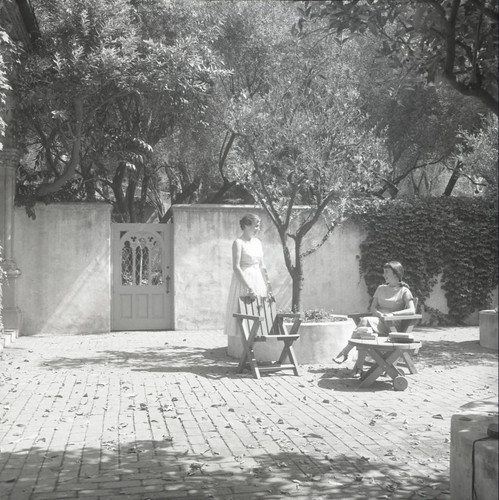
pixel 203 236
pixel 64 257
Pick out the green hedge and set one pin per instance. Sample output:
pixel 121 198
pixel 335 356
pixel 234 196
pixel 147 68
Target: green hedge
pixel 457 237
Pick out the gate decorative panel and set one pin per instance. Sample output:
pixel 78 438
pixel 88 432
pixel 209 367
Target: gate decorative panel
pixel 142 299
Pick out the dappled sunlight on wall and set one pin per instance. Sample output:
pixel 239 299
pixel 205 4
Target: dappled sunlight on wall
pixel 64 256
pixel 203 236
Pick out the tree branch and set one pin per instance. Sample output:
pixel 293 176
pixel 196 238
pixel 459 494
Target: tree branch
pixel 52 187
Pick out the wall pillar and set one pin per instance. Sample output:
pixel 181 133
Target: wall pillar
pixel 9 158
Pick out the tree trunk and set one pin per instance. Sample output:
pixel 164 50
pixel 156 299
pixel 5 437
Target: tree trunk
pixel 218 196
pixel 297 277
pixel 88 181
pixel 120 202
pixel 143 195
pixel 456 173
pixel 181 197
pixel 70 170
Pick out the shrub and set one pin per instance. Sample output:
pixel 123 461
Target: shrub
pixel 321 316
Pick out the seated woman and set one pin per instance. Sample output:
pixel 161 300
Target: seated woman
pixel 391 299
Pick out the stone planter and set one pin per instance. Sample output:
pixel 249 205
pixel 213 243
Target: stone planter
pixel 487 321
pixel 318 343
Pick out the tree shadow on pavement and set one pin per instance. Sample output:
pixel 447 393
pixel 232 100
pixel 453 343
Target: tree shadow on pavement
pixel 213 363
pixel 166 469
pixel 450 353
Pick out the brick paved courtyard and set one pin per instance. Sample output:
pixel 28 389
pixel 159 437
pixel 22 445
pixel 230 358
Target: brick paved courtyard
pixel 164 415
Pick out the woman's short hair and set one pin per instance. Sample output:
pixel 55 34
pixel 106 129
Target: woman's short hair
pixel 396 267
pixel 248 220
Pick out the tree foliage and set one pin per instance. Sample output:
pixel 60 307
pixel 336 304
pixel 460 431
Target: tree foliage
pixel 8 58
pixel 303 142
pixel 451 39
pixel 107 82
pixel 477 156
pixel 422 123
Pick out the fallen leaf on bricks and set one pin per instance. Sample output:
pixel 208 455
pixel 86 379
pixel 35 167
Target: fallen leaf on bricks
pixel 438 416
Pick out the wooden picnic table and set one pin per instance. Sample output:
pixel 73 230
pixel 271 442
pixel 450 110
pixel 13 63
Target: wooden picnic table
pixel 386 354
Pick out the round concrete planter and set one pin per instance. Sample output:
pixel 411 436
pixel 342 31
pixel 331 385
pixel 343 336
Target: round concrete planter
pixel 318 343
pixel 487 321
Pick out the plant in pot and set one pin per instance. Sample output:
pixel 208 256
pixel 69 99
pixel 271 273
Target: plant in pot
pixel 323 334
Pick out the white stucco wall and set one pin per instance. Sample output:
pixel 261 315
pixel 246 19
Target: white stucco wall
pixel 64 256
pixel 203 236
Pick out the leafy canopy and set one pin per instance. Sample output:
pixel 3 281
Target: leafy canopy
pixel 451 39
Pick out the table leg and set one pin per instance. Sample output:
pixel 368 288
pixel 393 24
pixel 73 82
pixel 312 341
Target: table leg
pixel 382 364
pixel 408 361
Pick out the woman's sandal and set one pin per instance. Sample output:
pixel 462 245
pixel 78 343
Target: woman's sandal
pixel 345 357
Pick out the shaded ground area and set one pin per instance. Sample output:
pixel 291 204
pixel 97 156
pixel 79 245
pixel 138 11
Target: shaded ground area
pixel 165 415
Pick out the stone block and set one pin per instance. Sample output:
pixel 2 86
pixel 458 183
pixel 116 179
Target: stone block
pixel 473 457
pixel 488 328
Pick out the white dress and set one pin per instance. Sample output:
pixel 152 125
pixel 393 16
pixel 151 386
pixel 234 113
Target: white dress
pixel 251 260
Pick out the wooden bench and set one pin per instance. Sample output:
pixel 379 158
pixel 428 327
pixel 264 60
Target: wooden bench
pixel 258 320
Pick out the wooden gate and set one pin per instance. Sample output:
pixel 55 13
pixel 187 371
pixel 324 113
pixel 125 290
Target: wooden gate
pixel 142 296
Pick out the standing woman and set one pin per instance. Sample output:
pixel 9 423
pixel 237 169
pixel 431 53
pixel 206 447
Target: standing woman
pixel 249 275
